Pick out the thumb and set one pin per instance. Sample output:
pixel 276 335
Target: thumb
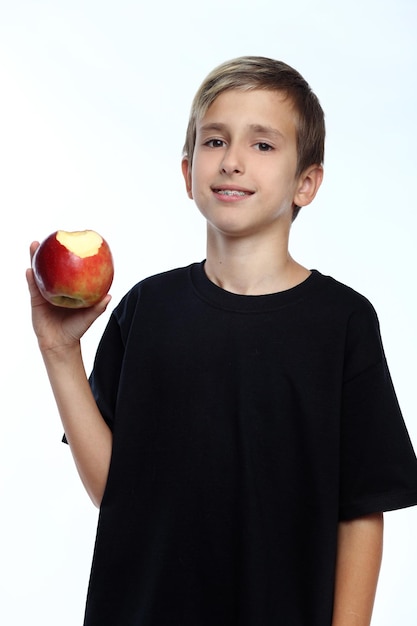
pixel 93 312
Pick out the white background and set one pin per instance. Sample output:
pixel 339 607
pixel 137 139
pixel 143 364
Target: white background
pixel 94 101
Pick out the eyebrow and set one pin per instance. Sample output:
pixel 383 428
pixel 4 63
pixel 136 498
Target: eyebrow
pixel 255 128
pixel 265 130
pixel 213 126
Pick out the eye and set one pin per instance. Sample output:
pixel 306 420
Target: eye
pixel 214 143
pixel 262 146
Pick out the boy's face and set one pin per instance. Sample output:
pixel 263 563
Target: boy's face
pixel 243 177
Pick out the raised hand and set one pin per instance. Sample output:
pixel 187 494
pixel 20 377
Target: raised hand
pixel 59 329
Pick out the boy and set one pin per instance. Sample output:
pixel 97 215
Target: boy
pixel 239 432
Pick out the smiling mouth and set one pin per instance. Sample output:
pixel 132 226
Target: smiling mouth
pixel 232 192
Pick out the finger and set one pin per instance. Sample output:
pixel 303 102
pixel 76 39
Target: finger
pixel 90 314
pixel 33 247
pixel 101 306
pixel 33 288
pixel 29 278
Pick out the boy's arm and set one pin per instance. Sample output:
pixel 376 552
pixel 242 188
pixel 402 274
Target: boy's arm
pixel 88 435
pixel 359 557
pixel 59 332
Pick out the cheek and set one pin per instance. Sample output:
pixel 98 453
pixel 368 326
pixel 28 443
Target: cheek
pixel 198 178
pixel 200 190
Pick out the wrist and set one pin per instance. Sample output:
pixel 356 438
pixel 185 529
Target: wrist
pixel 63 353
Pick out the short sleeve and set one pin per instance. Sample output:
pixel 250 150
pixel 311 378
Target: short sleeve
pixel 105 376
pixel 108 363
pixel 378 470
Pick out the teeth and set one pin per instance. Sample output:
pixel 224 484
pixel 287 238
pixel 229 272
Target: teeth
pixel 231 192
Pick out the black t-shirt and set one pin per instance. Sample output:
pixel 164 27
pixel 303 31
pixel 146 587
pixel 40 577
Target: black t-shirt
pixel 245 428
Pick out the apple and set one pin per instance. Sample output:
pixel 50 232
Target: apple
pixel 73 269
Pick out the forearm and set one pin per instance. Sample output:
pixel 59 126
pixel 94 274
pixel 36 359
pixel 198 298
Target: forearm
pixel 88 435
pixel 357 569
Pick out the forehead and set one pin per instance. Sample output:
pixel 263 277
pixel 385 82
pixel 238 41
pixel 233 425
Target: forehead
pixel 263 107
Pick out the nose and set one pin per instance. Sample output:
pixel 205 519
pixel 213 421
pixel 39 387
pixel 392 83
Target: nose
pixel 232 162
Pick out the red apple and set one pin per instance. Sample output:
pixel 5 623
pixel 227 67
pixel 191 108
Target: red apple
pixel 73 269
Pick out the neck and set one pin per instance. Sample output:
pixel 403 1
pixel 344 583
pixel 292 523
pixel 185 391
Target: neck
pixel 252 266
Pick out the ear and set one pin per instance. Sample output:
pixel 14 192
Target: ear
pixel 186 172
pixel 308 185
